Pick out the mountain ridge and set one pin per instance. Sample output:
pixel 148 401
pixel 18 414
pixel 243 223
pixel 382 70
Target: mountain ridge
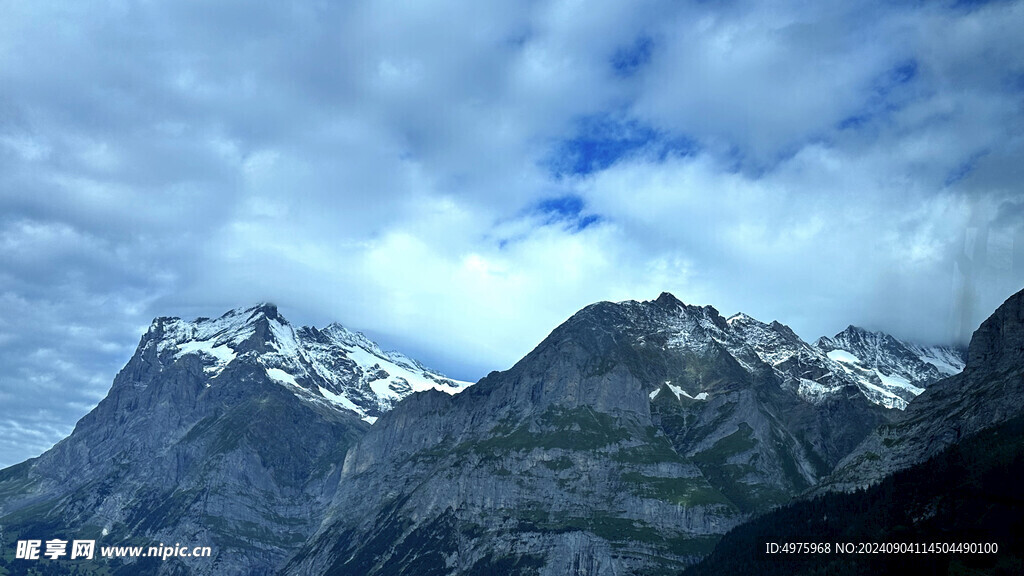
pixel 988 391
pixel 630 439
pixel 890 371
pixel 944 473
pixel 585 457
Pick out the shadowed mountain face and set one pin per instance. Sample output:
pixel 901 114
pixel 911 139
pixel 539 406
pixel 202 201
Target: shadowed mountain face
pixel 990 390
pixel 627 442
pixel 947 471
pixel 967 494
pixel 227 433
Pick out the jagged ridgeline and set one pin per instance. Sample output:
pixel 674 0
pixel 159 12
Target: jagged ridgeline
pixel 628 442
pixel 947 471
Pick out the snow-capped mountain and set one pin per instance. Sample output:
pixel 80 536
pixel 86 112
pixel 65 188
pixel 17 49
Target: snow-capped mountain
pixel 958 448
pixel 228 432
pixel 333 365
pixel 801 367
pixel 989 391
pixel 889 371
pixel 627 442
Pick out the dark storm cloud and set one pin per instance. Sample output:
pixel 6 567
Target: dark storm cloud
pixel 457 178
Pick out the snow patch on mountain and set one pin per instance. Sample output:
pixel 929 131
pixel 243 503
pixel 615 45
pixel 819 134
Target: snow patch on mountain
pixel 843 356
pixel 946 360
pixel 680 393
pixel 281 376
pixel 219 355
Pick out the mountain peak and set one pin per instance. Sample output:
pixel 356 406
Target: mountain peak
pixel 334 366
pixel 232 321
pixel 1000 339
pixel 862 333
pixel 669 301
pixel 266 309
pixel 346 337
pixel 740 317
pixel 893 371
pixel 987 392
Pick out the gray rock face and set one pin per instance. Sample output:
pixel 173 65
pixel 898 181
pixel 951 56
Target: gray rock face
pixel 990 390
pixel 626 443
pixel 228 433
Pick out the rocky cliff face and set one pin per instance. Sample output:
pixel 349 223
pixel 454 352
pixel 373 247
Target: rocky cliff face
pixel 947 470
pixel 227 433
pixel 627 442
pixel 990 390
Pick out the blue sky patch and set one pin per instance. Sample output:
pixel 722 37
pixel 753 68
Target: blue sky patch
pixel 854 121
pixel 903 72
pixel 964 169
pixel 567 209
pixel 884 97
pixel 970 5
pixel 630 59
pixel 600 142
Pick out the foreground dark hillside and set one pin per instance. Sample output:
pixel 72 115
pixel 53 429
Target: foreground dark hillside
pixel 969 493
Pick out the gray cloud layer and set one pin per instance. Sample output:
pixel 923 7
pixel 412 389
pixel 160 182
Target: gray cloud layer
pixel 457 178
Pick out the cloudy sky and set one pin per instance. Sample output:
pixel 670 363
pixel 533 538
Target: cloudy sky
pixel 455 179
